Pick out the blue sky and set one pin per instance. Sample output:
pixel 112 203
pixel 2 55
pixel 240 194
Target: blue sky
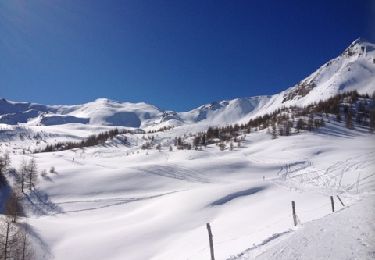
pixel 174 54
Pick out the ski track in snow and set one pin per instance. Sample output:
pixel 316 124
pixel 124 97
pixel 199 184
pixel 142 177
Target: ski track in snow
pixel 174 172
pixel 104 203
pixel 115 201
pixel 347 234
pixel 304 173
pixel 299 173
pixel 174 201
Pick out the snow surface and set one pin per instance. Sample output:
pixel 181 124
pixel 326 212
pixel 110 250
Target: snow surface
pixel 113 204
pixel 116 201
pixel 347 234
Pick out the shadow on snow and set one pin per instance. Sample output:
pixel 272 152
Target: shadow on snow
pixel 236 195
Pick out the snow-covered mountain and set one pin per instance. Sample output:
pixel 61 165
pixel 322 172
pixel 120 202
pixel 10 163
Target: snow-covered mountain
pixel 354 69
pixel 138 188
pixel 100 112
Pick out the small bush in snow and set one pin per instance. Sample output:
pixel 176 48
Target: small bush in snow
pixel 43 173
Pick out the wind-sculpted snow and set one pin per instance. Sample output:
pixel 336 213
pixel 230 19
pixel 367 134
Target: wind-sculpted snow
pixel 115 200
pixel 126 196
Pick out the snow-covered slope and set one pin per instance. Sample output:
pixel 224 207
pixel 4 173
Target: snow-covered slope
pixel 225 112
pixel 348 234
pixel 107 112
pixel 354 69
pixel 100 112
pixel 155 204
pixel 117 201
pixel 20 112
pixel 138 115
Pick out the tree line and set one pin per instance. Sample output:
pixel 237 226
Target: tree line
pixel 15 243
pixel 92 140
pixel 350 107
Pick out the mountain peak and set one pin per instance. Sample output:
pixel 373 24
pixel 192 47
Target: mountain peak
pixel 104 100
pixel 359 46
pixel 354 69
pixel 361 41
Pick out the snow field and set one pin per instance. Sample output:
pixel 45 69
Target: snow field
pixel 114 206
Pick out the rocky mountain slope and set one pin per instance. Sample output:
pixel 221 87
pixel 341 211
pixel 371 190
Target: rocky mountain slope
pixel 354 69
pixel 149 197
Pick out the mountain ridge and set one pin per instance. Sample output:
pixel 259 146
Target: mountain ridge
pixel 353 69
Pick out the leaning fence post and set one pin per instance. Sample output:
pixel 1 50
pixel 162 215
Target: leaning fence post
pixel 294 212
pixel 342 203
pixel 211 241
pixel 332 204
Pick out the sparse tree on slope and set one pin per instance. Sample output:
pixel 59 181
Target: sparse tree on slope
pixel 32 173
pixel 22 175
pixel 349 118
pixel 13 207
pixel 274 131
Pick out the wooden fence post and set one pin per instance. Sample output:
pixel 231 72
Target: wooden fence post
pixel 342 203
pixel 332 204
pixel 294 212
pixel 210 241
pixel 6 240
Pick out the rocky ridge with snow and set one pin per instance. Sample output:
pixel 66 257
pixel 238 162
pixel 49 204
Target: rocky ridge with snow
pixel 354 69
pixel 139 188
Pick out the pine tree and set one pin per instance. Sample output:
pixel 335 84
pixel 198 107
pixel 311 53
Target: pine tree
pixel 4 165
pixel 22 175
pixel 299 125
pixel 274 131
pixel 349 119
pixel 13 207
pixel 287 127
pixel 204 140
pixel 196 142
pixel 310 124
pixel 32 172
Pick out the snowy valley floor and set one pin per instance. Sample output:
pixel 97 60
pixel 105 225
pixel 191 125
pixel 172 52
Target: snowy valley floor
pixel 108 203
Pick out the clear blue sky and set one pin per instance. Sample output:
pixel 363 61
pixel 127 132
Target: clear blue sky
pixel 174 54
